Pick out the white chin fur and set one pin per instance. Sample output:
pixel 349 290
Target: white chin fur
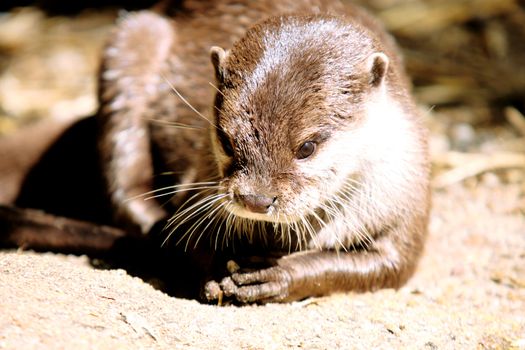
pixel 386 150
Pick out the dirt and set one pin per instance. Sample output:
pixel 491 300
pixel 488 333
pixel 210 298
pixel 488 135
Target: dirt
pixel 468 293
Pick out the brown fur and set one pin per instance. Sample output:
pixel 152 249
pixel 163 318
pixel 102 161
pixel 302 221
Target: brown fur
pixel 286 81
pixel 351 215
pixel 320 89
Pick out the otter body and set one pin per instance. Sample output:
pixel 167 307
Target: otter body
pixel 312 144
pixel 297 151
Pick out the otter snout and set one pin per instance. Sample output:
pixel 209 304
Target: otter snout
pixel 255 202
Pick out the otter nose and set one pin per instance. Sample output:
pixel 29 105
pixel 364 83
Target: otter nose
pixel 256 203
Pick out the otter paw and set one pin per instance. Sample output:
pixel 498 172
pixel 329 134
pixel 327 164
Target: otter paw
pixel 267 285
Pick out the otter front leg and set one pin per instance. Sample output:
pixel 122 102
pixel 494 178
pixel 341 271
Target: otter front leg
pixel 316 273
pixel 132 74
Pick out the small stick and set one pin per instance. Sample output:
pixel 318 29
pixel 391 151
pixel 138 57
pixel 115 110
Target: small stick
pixel 468 165
pixel 516 119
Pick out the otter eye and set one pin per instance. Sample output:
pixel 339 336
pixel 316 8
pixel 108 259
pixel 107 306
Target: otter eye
pixel 306 150
pixel 225 142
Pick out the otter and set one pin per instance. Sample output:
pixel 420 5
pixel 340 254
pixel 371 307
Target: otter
pixel 299 146
pixel 315 144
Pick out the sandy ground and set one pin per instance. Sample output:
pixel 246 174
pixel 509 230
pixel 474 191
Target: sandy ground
pixel 469 293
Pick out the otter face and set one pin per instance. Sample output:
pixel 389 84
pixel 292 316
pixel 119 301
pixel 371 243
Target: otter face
pixel 288 116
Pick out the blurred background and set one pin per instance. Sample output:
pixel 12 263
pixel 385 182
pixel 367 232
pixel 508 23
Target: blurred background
pixel 466 59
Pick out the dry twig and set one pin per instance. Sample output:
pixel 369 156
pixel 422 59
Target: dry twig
pixel 466 165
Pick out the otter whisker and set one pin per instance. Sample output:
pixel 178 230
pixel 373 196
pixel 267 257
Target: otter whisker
pixel 325 225
pixel 184 209
pixel 311 230
pixel 211 212
pixel 288 235
pixel 221 218
pixel 181 190
pixel 187 103
pixel 248 226
pixel 217 216
pixel 219 231
pixel 348 196
pixel 241 226
pixel 196 209
pixel 292 228
pixel 334 212
pixel 216 88
pixel 280 232
pixel 228 224
pixel 174 124
pixel 301 233
pixel 262 227
pixel 172 187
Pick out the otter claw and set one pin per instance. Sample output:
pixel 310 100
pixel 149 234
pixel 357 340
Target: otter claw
pixel 232 266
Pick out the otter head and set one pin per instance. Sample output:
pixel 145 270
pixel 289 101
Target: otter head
pixel 292 98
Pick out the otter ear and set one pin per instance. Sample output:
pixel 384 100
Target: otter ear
pixel 377 66
pixel 218 55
